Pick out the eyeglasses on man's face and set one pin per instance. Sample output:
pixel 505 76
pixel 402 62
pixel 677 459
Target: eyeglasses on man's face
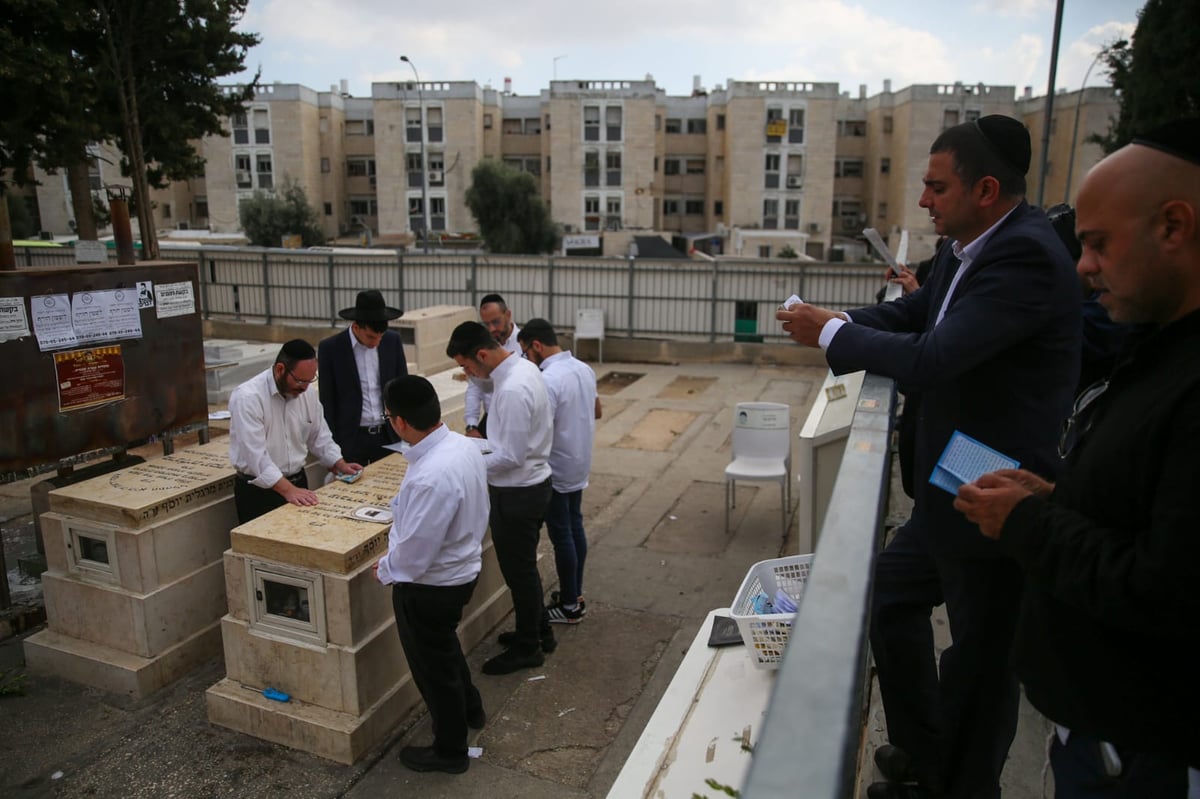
pixel 300 380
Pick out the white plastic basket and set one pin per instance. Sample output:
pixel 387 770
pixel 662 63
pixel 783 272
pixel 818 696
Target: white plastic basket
pixel 766 635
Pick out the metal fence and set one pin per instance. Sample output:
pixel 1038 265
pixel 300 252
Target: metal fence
pixel 812 736
pixel 703 300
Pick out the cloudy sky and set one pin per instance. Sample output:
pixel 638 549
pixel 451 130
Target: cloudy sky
pixel 1007 42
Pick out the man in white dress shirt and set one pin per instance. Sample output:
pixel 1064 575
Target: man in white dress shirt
pixel 575 406
pixel 274 423
pixel 433 560
pixel 518 471
pixel 496 316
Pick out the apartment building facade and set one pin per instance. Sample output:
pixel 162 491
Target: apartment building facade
pixel 749 167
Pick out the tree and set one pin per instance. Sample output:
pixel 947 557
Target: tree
pixel 788 252
pixel 73 72
pixel 512 217
pixel 267 218
pixel 1157 75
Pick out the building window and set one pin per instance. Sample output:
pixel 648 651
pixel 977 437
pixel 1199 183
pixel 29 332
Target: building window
pixel 695 166
pixel 771 166
pixel 591 123
pixel 850 214
pixel 670 207
pixel 672 166
pixel 202 207
pixel 360 167
pixel 416 214
pixel 612 168
pixel 363 206
pixel 242 175
pixel 328 209
pixel 166 210
pixel 95 182
pixel 437 173
pixel 674 125
pixel 852 127
pixel 487 121
pixel 324 164
pixel 885 166
pixel 513 127
pixel 437 213
pixel 360 127
pixel 720 122
pixel 262 127
pixel 697 126
pixel 612 213
pixel 262 165
pixel 973 116
pixel 533 126
pixel 241 129
pixel 882 211
pixel 770 214
pixel 435 124
pixel 887 124
pixel 415 170
pixel 612 119
pixel 591 213
pixel 658 122
pixel 791 214
pixel 718 208
pixel 591 168
pixel 693 207
pixel 412 124
pixel 776 126
pixel 848 168
pixel 764 251
pixel 949 118
pixel 796 126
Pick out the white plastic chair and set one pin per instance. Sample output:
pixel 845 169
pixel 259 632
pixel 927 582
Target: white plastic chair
pixel 762 450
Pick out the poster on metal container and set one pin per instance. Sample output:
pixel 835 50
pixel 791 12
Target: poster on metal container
pixel 13 322
pixel 105 315
pixel 91 377
pixel 174 299
pixel 52 321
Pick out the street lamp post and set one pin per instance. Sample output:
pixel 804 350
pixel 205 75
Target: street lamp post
pixel 424 166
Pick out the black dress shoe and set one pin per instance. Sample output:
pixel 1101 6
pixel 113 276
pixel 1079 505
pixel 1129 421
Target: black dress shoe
pixel 424 758
pixel 895 764
pixel 476 718
pixel 897 790
pixel 511 660
pixel 507 639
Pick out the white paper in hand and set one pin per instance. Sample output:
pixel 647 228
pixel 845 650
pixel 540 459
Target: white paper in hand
pixel 790 301
pixel 872 235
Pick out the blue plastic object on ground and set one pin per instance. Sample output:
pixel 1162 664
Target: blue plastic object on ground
pixel 278 696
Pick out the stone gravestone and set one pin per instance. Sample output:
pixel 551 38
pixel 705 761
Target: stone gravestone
pixel 134 589
pixel 308 618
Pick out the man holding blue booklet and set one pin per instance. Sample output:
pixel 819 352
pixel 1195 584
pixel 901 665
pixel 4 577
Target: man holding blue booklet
pixel 992 342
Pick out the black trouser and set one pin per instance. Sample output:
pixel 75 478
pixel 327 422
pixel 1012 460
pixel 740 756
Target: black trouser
pixel 956 717
pixel 252 501
pixel 427 618
pixel 516 521
pixel 367 447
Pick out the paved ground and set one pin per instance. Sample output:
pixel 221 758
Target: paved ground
pixel 659 561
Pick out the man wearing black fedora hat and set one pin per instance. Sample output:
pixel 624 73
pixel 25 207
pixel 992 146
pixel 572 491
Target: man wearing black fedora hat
pixel 355 365
pixel 992 342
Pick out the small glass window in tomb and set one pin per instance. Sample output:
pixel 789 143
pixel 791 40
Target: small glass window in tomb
pixel 286 602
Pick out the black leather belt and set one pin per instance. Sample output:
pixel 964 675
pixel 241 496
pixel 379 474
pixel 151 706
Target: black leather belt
pixel 373 430
pixel 291 478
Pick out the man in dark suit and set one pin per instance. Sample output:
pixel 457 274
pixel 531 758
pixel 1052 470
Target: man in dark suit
pixel 992 342
pixel 355 365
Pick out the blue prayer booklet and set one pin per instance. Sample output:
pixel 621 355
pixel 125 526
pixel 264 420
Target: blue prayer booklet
pixel 964 460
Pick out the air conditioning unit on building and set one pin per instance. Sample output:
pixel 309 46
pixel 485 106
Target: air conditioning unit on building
pixel 794 182
pixel 436 175
pixel 814 227
pixel 243 176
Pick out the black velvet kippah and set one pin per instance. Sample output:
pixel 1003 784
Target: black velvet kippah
pixel 1180 138
pixel 298 350
pixel 410 393
pixel 1009 139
